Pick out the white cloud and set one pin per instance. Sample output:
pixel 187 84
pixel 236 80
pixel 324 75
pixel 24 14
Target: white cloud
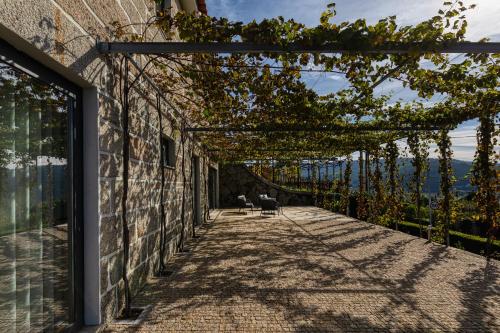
pixel 336 77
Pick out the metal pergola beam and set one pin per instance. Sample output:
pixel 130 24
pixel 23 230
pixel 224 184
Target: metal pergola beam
pixel 305 150
pixel 244 47
pixel 278 159
pixel 309 129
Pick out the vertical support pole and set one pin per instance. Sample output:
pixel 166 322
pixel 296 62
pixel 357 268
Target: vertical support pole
pixel 326 173
pixel 319 175
pixel 162 268
pixel 361 199
pixel 298 174
pixel 367 172
pixel 309 174
pixel 272 170
pixel 340 183
pixel 333 174
pixel 125 176
pixel 361 172
pixel 429 227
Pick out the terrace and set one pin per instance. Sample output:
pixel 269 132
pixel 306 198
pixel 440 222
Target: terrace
pixel 313 270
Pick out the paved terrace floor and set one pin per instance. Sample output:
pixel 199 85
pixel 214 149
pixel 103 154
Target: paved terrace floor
pixel 311 270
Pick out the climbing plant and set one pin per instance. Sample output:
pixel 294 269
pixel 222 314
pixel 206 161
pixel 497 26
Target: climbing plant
pixel 345 194
pixel 419 149
pixel 377 200
pixel 361 202
pixel 484 171
pixel 392 170
pixel 446 214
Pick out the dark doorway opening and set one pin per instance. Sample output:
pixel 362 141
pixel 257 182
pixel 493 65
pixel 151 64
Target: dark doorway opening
pixel 212 188
pixel 195 170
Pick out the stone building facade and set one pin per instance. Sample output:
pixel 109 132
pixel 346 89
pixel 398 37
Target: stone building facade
pixel 61 36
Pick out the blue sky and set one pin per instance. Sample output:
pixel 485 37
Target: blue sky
pixel 483 21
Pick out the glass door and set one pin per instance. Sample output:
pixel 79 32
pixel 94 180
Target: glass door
pixel 37 203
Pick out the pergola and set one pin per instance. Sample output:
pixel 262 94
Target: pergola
pixel 161 48
pixel 298 139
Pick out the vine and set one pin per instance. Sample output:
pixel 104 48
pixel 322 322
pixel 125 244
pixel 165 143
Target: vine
pixel 361 212
pixel 445 215
pixel 485 173
pixel 345 197
pixel 394 204
pixel 162 270
pixel 377 201
pixel 125 177
pixel 420 151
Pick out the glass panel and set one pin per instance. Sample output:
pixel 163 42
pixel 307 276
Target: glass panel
pixel 35 249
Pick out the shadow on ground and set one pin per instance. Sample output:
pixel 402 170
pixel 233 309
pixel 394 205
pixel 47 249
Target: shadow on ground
pixel 312 270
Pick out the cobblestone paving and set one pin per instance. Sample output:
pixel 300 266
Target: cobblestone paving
pixel 313 271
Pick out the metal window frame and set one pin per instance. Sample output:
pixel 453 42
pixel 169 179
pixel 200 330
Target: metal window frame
pixel 26 64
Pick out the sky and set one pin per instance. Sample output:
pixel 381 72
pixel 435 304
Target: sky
pixel 483 21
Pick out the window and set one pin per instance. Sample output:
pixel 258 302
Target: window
pixel 163 7
pixel 168 152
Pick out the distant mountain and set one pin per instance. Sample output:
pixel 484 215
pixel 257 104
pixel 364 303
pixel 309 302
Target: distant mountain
pixel 461 171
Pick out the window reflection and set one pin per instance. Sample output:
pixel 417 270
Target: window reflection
pixel 35 248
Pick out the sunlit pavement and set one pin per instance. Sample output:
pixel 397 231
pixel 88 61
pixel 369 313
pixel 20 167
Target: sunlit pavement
pixel 311 270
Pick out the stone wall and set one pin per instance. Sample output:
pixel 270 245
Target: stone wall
pixel 237 179
pixel 66 32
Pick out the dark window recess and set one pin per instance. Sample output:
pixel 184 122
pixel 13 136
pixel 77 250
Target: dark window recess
pixel 163 7
pixel 168 152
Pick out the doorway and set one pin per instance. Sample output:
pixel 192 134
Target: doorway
pixel 212 188
pixel 195 175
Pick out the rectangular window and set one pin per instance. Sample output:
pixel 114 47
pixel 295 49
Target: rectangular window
pixel 168 152
pixel 163 7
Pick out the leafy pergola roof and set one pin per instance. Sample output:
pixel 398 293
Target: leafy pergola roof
pixel 254 104
pixel 250 103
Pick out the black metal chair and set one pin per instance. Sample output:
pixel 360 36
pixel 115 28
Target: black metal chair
pixel 244 203
pixel 269 205
pixel 262 197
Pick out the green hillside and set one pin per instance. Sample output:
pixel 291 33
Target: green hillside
pixel 461 171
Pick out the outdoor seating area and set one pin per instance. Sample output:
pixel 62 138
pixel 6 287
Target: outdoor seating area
pixel 244 203
pixel 267 204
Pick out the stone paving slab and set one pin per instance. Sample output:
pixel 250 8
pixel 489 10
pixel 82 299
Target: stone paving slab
pixel 311 270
